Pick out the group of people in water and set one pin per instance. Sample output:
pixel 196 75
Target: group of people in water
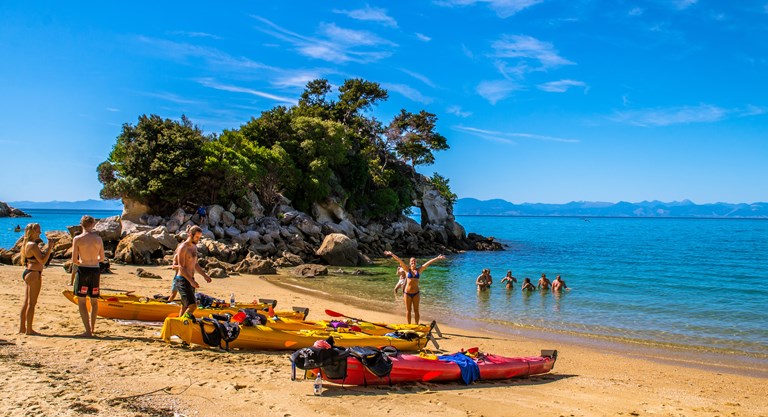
pixel 484 281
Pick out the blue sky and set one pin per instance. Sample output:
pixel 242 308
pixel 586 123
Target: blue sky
pixel 541 100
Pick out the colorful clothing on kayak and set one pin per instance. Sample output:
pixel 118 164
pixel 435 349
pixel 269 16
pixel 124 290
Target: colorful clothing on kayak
pixel 470 372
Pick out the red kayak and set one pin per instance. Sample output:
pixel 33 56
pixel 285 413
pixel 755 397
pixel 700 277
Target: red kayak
pixel 415 368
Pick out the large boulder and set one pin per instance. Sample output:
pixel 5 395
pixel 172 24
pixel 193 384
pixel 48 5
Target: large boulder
pixel 8 211
pixel 130 227
pixel 220 250
pixel 133 210
pixel 256 267
pixel 164 237
pixel 328 211
pixel 214 214
pixel 257 210
pixel 309 270
pixel 227 219
pixel 110 229
pixel 307 226
pixel 339 250
pixel 138 249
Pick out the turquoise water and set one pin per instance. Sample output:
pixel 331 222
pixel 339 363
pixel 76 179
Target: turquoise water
pixel 692 282
pixel 48 219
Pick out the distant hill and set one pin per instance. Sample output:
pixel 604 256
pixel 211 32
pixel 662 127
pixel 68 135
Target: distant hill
pixel 69 205
pixel 685 208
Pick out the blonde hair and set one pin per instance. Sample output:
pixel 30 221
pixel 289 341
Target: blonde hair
pixel 27 233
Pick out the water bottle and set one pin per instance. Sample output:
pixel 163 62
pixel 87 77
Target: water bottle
pixel 232 300
pixel 318 384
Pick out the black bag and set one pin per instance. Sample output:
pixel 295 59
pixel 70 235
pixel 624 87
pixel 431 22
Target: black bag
pixel 373 359
pixel 223 331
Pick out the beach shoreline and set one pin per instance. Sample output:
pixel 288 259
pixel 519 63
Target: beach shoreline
pixel 59 374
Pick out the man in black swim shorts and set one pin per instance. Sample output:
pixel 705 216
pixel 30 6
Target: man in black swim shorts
pixel 186 253
pixel 87 252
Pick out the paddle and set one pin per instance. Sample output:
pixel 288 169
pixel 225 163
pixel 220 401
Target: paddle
pixel 335 314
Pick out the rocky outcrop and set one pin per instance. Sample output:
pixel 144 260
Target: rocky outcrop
pixel 138 249
pixel 110 229
pixel 133 210
pixel 309 270
pixel 8 211
pixel 339 250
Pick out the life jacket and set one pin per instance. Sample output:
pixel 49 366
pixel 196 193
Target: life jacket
pixel 222 331
pixel 253 318
pixel 333 361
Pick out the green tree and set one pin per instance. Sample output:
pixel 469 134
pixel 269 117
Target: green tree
pixel 441 185
pixel 414 138
pixel 155 162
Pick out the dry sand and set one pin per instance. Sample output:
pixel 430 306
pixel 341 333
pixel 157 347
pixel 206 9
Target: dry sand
pixel 128 371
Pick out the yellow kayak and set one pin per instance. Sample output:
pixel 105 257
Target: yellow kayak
pixel 127 306
pixel 287 323
pixel 267 338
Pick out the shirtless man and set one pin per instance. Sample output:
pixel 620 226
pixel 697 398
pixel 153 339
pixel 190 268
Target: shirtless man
pixel 186 253
pixel 544 282
pixel 484 280
pixel 559 284
pixel 87 252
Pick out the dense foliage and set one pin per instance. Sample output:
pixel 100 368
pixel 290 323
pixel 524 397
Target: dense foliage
pixel 319 149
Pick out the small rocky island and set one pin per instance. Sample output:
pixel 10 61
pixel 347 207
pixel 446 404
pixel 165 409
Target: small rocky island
pixel 8 211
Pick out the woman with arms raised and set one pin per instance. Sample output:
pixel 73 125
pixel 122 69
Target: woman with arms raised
pixel 411 291
pixel 34 261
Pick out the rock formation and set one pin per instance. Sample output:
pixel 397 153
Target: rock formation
pixel 8 211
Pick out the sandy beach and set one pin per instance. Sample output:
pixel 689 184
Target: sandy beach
pixel 127 370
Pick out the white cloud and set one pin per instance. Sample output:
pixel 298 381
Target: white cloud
pixel 421 77
pixel 339 44
pixel 458 111
pixel 493 91
pixel 296 79
pixel 170 97
pixel 408 92
pixel 195 34
pixel 507 135
pixel 467 52
pixel 684 4
pixel 112 109
pixel 528 47
pixel 210 83
pixel 213 57
pixel 423 37
pixel 636 11
pixel 560 86
pixel 372 14
pixel 703 113
pixel 503 8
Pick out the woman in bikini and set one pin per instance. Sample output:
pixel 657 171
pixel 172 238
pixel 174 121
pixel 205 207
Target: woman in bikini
pixel 411 290
pixel 34 260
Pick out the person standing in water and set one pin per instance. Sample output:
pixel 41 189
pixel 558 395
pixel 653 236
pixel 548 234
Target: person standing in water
pixel 509 279
pixel 34 261
pixel 527 286
pixel 544 282
pixel 559 284
pixel 87 253
pixel 411 290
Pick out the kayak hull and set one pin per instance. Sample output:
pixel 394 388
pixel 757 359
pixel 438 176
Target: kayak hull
pixel 130 307
pixel 414 368
pixel 266 338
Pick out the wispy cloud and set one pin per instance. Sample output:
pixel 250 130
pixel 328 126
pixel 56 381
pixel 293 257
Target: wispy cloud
pixel 467 52
pixel 408 92
pixel 422 37
pixel 195 34
pixel 529 48
pixel 493 91
pixel 421 77
pixel 684 4
pixel 213 57
pixel 373 14
pixel 507 136
pixel 211 83
pixel 295 79
pixel 112 109
pixel 503 8
pixel 173 98
pixel 458 111
pixel 337 45
pixel 636 11
pixel 560 86
pixel 702 113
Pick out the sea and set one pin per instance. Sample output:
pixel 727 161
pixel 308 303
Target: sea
pixel 677 282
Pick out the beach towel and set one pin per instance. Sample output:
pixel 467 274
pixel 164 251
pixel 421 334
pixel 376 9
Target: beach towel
pixel 470 372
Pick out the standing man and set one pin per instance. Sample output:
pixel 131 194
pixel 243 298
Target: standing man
pixel 186 254
pixel 87 252
pixel 544 282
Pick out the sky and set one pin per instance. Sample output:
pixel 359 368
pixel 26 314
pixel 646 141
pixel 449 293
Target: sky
pixel 541 100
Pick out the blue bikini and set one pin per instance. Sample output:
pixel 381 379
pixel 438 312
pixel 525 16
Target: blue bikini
pixel 414 275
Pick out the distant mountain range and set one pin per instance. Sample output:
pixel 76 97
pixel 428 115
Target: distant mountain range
pixel 685 208
pixel 69 205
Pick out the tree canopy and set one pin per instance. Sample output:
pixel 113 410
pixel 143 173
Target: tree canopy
pixel 318 149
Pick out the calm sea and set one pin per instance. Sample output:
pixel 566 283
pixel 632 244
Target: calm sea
pixel 692 282
pixel 48 219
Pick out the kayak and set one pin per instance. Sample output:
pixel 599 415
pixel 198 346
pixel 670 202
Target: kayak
pixel 267 338
pixel 415 368
pixel 286 323
pixel 127 306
